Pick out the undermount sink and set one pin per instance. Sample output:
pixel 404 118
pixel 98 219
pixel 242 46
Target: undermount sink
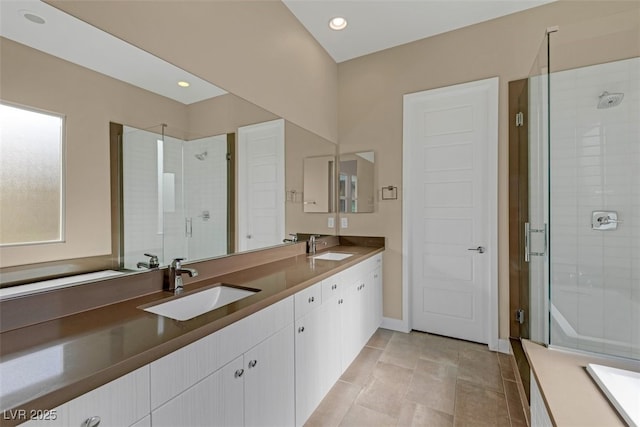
pixel 197 303
pixel 333 256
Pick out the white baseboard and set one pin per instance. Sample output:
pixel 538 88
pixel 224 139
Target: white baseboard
pixel 395 325
pixel 504 346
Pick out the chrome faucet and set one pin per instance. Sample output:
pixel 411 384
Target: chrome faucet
pixel 175 275
pixel 153 262
pixel 293 238
pixel 312 244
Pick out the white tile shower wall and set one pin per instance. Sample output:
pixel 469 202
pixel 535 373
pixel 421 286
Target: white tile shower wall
pixel 174 242
pixel 595 165
pixel 140 196
pixel 205 178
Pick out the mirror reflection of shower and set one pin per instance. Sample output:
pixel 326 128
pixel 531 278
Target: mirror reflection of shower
pixel 174 196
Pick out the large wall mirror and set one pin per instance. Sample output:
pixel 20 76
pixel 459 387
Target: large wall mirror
pixel 202 145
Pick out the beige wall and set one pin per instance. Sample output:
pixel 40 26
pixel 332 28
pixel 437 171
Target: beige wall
pixel 254 49
pixel 371 89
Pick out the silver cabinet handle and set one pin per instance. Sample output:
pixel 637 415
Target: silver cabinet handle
pixel 249 236
pixel 334 287
pixel 239 373
pixel 311 299
pixel 253 363
pixel 479 249
pixel 92 422
pixel 301 329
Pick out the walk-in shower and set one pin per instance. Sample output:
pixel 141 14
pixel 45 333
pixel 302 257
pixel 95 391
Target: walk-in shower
pixel 584 197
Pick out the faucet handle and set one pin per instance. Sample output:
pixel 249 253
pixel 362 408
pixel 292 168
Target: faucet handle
pixel 176 262
pixel 153 260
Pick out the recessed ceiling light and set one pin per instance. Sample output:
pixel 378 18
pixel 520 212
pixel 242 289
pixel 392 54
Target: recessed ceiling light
pixel 183 84
pixel 338 23
pixel 30 16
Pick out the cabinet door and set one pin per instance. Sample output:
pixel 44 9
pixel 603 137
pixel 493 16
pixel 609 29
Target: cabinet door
pixel 232 394
pixel 215 401
pixel 269 381
pixel 377 297
pixel 350 321
pixel 309 353
pixel 199 405
pixel 331 354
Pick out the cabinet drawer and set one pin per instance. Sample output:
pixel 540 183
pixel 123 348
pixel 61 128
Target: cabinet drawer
pixel 240 336
pixel 177 371
pixel 372 263
pixel 308 299
pixel 122 402
pixel 331 287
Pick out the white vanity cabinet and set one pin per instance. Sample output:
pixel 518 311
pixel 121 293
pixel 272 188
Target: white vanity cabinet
pixel 254 387
pixel 330 335
pixel 121 402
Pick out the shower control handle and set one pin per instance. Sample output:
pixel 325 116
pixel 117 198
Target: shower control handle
pixel 479 249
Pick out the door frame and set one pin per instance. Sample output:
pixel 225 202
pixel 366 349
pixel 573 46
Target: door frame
pixel 492 86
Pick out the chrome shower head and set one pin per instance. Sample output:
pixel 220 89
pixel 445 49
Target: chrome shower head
pixel 202 155
pixel 608 100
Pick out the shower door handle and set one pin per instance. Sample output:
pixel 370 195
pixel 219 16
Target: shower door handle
pixel 188 227
pixel 528 253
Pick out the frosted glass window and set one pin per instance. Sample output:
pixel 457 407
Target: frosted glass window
pixel 31 160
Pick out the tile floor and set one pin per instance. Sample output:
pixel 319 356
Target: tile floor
pixel 418 379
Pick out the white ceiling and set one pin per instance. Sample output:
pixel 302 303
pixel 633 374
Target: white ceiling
pixel 375 25
pixel 75 41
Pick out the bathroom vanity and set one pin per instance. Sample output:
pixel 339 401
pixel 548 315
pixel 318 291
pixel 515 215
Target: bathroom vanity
pixel 266 359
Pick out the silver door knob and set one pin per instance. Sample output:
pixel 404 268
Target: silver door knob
pixel 248 236
pixel 253 363
pixel 479 249
pixel 239 373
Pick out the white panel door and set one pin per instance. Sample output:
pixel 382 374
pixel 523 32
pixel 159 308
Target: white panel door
pixel 261 185
pixel 449 133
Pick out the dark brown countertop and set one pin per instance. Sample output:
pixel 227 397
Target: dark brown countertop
pixel 49 363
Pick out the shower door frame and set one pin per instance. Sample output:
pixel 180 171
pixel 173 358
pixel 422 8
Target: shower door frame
pixel 518 206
